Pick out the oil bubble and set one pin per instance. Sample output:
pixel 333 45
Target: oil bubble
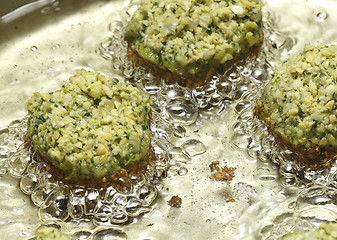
pixel 109 233
pixel 179 131
pixel 56 46
pixel 182 110
pixel 45 10
pixel 82 234
pixel 182 171
pixel 321 16
pixel 56 4
pixel 194 147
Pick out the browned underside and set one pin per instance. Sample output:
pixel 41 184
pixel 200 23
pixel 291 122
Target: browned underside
pixel 192 80
pixel 121 180
pixel 315 158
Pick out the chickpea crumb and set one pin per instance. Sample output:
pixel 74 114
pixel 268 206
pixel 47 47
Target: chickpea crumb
pixel 224 174
pixel 229 198
pixel 175 201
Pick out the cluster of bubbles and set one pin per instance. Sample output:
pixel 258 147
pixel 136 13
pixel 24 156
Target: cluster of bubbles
pixel 312 207
pixel 180 106
pixel 178 103
pixel 252 136
pixel 10 142
pixel 56 200
pixel 317 189
pixel 175 108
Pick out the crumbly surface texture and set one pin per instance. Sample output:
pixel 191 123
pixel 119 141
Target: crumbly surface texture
pixel 92 127
pixel 300 100
pixel 325 232
pixel 50 233
pixel 190 36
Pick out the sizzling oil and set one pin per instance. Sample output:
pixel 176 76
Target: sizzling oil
pixel 43 46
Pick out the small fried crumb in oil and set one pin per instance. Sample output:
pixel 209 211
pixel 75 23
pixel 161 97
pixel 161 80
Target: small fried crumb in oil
pixel 175 201
pixel 224 174
pixel 229 198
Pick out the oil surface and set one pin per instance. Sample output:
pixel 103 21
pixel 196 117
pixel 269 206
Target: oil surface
pixel 43 42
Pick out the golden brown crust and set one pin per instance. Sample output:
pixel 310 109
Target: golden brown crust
pixel 316 158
